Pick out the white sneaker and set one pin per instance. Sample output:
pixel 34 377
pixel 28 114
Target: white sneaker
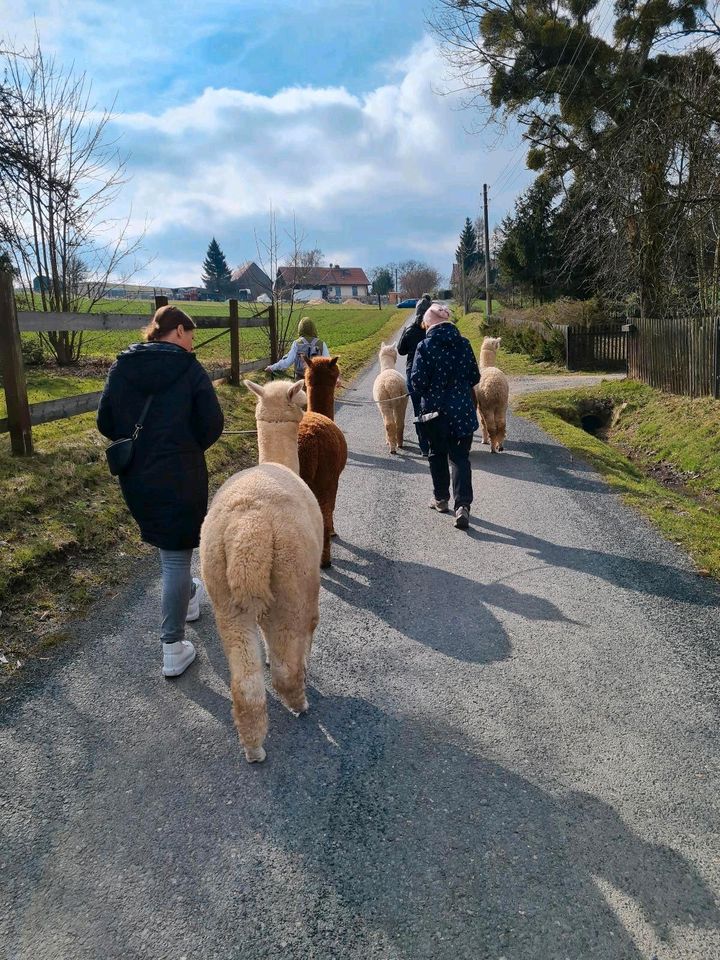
pixel 177 657
pixel 193 612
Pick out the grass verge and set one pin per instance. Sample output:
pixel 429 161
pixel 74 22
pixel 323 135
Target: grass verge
pixel 66 537
pixel 661 452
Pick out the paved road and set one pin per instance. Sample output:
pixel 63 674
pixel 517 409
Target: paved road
pixel 511 750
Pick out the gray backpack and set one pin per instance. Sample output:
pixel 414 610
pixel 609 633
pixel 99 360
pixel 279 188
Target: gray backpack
pixel 305 348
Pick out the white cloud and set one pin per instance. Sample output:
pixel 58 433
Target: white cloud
pixel 390 174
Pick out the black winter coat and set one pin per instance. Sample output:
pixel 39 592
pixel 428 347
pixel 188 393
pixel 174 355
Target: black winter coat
pixel 166 485
pixel 412 335
pixel 444 374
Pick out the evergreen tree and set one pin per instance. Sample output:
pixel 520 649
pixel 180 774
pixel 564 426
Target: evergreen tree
pixel 467 252
pixel 216 272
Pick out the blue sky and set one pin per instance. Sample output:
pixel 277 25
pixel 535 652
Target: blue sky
pixel 326 111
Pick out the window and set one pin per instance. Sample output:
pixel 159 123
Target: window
pixel 337 291
pixel 354 293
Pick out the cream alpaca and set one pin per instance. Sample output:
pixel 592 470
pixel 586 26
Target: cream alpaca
pixel 390 393
pixel 492 396
pixel 260 549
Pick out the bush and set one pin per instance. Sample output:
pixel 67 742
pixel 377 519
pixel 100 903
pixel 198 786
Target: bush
pixel 32 352
pixel 541 341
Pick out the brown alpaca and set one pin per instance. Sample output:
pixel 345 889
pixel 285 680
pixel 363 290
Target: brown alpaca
pixel 391 395
pixel 322 448
pixel 260 550
pixel 491 395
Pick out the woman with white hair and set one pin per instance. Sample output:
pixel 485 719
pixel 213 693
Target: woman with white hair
pixel 444 373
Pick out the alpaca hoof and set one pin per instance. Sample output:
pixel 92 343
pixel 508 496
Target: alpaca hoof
pixel 493 450
pixel 486 442
pixel 333 533
pixel 254 754
pixel 392 450
pixel 501 447
pixel 324 564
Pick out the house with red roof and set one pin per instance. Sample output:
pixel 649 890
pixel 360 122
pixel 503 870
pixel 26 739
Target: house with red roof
pixel 334 281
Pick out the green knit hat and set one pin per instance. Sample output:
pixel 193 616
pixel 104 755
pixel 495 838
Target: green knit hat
pixel 306 328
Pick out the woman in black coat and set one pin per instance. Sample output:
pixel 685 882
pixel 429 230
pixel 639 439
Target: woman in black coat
pixel 166 484
pixel 412 335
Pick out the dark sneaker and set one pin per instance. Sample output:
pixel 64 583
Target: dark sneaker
pixel 440 505
pixel 462 518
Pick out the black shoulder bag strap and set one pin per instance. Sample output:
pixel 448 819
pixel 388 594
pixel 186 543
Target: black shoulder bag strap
pixel 141 418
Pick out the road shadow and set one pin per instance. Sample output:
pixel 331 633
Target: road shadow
pixel 629 573
pixel 417 837
pixel 402 462
pixel 444 611
pixel 543 463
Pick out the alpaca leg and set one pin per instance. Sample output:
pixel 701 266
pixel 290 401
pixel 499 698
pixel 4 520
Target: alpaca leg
pixel 390 430
pixel 326 511
pixel 501 434
pixel 491 427
pixel 247 685
pixel 287 645
pixel 483 423
pixel 400 423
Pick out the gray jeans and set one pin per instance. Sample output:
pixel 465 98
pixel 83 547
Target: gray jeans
pixel 177 587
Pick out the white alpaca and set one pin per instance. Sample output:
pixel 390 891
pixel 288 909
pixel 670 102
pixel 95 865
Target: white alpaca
pixel 390 393
pixel 260 549
pixel 492 396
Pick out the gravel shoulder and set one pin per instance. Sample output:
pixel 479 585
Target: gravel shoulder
pixel 511 750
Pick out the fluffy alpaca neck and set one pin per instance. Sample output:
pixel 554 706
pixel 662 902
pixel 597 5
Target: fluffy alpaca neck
pixel 387 363
pixel 487 357
pixel 321 399
pixel 278 443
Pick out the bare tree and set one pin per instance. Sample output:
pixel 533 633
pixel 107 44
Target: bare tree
pixel 55 194
pixel 416 278
pixel 288 264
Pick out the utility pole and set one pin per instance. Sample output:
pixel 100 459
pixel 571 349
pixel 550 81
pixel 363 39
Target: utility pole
pixel 396 287
pixel 488 301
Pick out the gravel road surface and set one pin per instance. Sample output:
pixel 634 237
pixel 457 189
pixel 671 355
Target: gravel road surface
pixel 511 750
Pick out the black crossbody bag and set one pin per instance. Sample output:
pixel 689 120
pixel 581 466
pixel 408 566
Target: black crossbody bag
pixel 120 453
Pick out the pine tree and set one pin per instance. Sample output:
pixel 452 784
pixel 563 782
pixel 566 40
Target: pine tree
pixel 467 252
pixel 216 272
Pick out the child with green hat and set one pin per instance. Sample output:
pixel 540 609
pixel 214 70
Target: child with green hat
pixel 308 344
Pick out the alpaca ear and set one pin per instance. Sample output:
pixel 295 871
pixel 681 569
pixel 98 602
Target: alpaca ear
pixel 254 388
pixel 295 394
pixel 383 344
pixel 393 345
pixel 333 361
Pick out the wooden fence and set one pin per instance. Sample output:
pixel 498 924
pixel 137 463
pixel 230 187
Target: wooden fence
pixel 22 416
pixel 596 348
pixel 677 354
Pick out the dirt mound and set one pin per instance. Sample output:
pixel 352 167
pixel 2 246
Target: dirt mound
pixel 354 303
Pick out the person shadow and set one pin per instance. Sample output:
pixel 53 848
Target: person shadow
pixel 538 463
pixel 628 572
pixel 412 838
pixel 445 611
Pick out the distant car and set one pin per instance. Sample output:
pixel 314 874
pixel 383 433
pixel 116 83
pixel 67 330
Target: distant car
pixel 407 303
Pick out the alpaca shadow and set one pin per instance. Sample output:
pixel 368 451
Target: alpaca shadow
pixel 542 463
pixel 444 611
pixel 401 462
pixel 409 830
pixel 629 573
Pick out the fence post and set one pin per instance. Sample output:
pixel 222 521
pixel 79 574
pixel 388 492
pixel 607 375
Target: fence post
pixel 567 347
pixel 272 324
pixel 160 302
pixel 13 371
pixel 716 392
pixel 234 344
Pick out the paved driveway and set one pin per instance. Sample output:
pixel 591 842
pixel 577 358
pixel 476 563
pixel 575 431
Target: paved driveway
pixel 511 750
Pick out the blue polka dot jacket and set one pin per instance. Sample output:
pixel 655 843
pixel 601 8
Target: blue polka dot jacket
pixel 444 372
